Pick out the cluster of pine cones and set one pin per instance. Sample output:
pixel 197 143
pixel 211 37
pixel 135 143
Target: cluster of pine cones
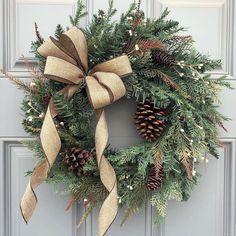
pixel 151 121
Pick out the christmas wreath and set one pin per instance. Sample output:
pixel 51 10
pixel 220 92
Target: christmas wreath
pixel 85 70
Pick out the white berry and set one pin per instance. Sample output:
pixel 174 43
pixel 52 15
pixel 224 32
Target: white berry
pixel 136 47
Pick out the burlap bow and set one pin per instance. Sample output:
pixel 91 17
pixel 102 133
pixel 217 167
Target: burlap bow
pixel 67 62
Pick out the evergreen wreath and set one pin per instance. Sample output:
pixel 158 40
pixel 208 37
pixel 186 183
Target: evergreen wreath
pixel 176 112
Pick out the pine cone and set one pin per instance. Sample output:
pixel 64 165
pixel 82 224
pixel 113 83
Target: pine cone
pixel 76 159
pixel 46 99
pixel 150 120
pixel 154 181
pixel 163 58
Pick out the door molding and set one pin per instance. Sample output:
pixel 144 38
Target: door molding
pixel 229 214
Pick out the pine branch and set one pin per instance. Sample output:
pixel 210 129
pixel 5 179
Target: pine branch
pixel 111 11
pixel 177 38
pixel 152 73
pixel 138 7
pixel 80 13
pixel 32 129
pixel 35 146
pixel 164 14
pixel 70 140
pixel 59 31
pixel 169 81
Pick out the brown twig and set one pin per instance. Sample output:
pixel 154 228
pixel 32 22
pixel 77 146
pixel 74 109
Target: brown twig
pixel 138 7
pixel 70 203
pixel 19 83
pixel 39 37
pixel 33 71
pixel 150 44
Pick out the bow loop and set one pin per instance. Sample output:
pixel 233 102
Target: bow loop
pixel 75 43
pixel 104 88
pixel 62 71
pixel 53 48
pixel 119 65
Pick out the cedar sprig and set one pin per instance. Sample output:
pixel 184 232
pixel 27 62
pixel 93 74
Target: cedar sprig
pixel 157 159
pixel 18 82
pixel 35 73
pixel 185 160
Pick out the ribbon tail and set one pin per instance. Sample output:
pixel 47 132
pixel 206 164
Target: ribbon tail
pixel 109 207
pixel 51 145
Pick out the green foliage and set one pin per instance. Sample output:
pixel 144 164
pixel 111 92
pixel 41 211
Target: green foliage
pixel 80 13
pixel 77 116
pixel 170 190
pixel 185 89
pixel 35 146
pixel 59 31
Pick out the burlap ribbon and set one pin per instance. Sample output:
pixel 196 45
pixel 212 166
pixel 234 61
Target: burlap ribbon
pixel 67 62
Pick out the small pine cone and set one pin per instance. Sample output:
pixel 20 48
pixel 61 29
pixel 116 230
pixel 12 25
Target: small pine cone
pixel 163 58
pixel 136 22
pixel 154 181
pixel 138 18
pixel 76 159
pixel 150 120
pixel 46 99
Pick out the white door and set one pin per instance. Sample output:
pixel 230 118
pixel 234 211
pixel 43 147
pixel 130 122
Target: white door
pixel 211 210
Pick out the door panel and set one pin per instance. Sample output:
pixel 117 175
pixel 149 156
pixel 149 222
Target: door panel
pixel 210 211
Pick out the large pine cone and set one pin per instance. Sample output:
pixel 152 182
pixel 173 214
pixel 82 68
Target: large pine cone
pixel 163 58
pixel 76 158
pixel 155 180
pixel 150 120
